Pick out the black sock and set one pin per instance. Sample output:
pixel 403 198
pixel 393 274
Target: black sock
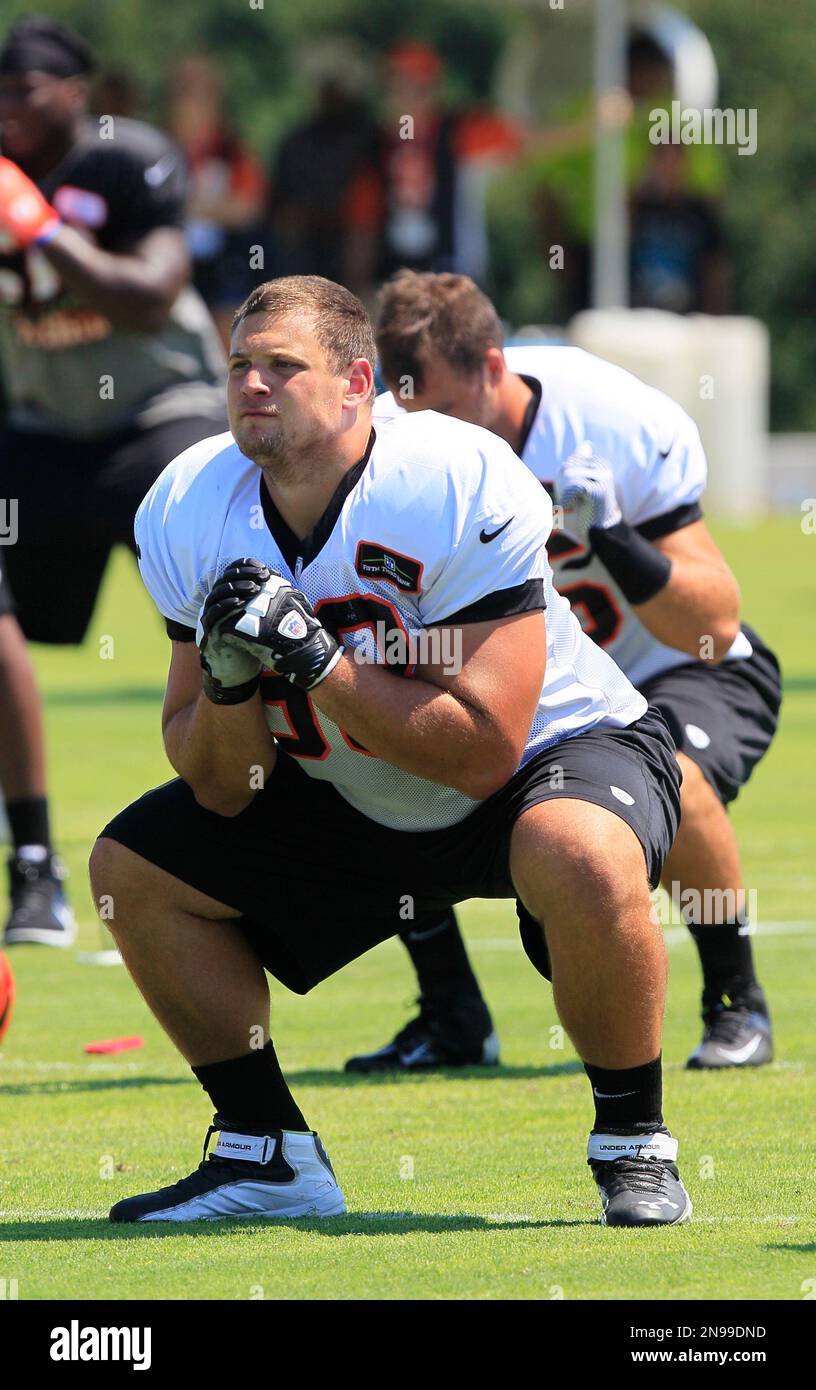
pixel 435 945
pixel 728 963
pixel 251 1091
pixel 629 1101
pixel 28 821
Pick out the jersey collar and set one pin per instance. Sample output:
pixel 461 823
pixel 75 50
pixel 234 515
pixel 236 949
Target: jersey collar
pixel 531 410
pixel 291 548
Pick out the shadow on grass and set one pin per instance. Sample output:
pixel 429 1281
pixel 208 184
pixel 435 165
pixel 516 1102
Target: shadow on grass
pixel 62 1088
pixel 313 1077
pixel 318 1077
pixel 373 1223
pixel 792 1248
pixel 122 694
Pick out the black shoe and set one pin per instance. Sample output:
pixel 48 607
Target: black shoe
pixel 642 1186
pixel 279 1174
pixel 460 1035
pixel 39 911
pixel 737 1034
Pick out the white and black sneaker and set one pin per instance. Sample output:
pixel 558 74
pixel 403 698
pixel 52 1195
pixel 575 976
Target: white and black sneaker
pixel 459 1035
pixel 39 911
pixel 282 1173
pixel 737 1033
pixel 638 1180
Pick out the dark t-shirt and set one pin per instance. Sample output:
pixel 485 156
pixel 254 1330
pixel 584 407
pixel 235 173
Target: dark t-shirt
pixel 670 245
pixel 314 172
pixel 66 369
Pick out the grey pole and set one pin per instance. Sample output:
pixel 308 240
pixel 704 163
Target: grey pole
pixel 610 250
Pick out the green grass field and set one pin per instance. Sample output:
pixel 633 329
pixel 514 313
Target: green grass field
pixel 460 1186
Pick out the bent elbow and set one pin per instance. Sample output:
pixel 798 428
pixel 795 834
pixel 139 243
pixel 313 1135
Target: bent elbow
pixel 716 644
pixel 220 803
pixel 492 773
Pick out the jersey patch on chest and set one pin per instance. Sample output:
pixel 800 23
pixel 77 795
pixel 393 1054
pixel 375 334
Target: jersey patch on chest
pixel 375 561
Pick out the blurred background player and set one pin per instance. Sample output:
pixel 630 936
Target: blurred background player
pixel 110 365
pixel 227 188
pixel 649 585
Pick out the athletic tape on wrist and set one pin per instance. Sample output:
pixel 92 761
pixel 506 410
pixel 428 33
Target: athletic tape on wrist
pixel 49 231
pixel 636 565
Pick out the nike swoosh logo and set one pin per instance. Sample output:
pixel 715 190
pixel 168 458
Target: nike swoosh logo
pixel 408 1058
pixel 741 1054
pixel 613 1095
pixel 486 539
pixel 158 172
pixel 426 935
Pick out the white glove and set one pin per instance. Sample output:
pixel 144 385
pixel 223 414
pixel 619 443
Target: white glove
pixel 231 673
pixel 585 488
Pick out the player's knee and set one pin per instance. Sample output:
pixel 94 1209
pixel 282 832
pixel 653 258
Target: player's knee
pixel 559 868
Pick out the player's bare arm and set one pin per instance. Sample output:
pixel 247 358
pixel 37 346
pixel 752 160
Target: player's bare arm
pixel 136 290
pixel 213 747
pixel 701 599
pixel 468 730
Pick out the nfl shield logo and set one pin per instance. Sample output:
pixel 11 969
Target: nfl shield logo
pixel 292 625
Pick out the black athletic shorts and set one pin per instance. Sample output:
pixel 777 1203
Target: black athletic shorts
pixel 722 717
pixel 6 598
pixel 317 883
pixel 75 500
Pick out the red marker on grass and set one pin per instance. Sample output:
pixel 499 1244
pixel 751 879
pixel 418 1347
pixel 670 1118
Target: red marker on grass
pixel 115 1045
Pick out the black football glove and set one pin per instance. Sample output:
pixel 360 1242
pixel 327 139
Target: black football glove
pixel 230 673
pixel 277 627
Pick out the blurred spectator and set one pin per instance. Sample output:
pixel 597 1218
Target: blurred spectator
pixel 485 143
pixel 665 193
pixel 419 164
pixel 436 167
pixel 227 189
pixel 326 194
pixel 678 254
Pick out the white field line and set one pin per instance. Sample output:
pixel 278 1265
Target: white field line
pixel 99 1068
pixel 41 1214
pixel 673 936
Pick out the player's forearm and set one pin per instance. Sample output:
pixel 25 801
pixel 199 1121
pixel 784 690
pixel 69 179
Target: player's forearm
pixel 130 291
pixel 418 727
pixel 223 752
pixel 697 611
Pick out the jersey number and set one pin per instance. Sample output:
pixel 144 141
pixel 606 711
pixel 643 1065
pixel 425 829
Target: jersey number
pixel 595 609
pixel 340 615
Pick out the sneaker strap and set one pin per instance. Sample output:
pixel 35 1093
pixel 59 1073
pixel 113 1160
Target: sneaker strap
pixel 249 1148
pixel 608 1147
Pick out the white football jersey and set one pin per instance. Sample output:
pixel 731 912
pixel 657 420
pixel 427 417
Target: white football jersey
pixel 654 450
pixel 439 523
